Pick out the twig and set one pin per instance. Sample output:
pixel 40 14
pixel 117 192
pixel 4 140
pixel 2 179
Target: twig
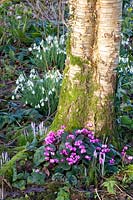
pixel 97 194
pixel 124 192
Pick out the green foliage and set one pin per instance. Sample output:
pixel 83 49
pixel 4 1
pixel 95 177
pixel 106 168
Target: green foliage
pixel 39 156
pixel 110 185
pixel 49 53
pixel 40 93
pixel 63 194
pixel 124 93
pixel 36 178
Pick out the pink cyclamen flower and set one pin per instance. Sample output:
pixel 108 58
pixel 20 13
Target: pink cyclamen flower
pixel 112 161
pixel 130 158
pixel 83 151
pixel 63 127
pixel 50 138
pixel 78 143
pixel 46 158
pixel 60 132
pixel 71 136
pixel 88 157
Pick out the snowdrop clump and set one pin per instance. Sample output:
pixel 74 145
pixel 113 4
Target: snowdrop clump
pixel 50 52
pixel 39 93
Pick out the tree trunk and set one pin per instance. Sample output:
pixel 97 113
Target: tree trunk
pixel 92 55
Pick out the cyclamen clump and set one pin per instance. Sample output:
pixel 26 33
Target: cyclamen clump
pixel 81 146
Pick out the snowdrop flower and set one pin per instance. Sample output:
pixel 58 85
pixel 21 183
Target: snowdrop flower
pixel 32 71
pixel 13 97
pixel 34 46
pixel 42 43
pixel 18 17
pixel 30 83
pixel 42 104
pixel 50 92
pixel 33 92
pixel 49 39
pixel 62 40
pixel 30 49
pixel 46 99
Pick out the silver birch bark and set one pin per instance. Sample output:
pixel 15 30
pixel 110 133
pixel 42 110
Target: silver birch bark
pixel 92 55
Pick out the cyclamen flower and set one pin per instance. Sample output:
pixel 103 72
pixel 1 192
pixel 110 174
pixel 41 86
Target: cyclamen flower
pixel 94 140
pixel 60 132
pixel 78 143
pixel 50 138
pixel 130 158
pixel 46 158
pixel 83 151
pixel 112 161
pixel 85 131
pixel 64 152
pixel 88 157
pixel 71 136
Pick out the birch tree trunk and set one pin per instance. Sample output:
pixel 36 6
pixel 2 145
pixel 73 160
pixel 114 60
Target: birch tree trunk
pixel 92 55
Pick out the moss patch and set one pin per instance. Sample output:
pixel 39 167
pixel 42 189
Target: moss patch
pixel 7 169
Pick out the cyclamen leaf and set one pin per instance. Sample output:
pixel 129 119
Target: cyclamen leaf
pixel 39 156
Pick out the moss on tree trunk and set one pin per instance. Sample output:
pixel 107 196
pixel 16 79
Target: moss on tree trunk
pixel 87 93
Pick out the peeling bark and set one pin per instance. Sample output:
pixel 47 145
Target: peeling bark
pixel 89 78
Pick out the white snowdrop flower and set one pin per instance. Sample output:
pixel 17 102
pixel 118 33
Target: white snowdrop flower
pixel 13 97
pixel 49 39
pixel 124 60
pixel 38 48
pixel 26 102
pixel 30 49
pixel 17 81
pixel 44 49
pixel 50 92
pixel 34 46
pixel 21 78
pixel 41 43
pixel 51 46
pixel 43 89
pixel 42 104
pixel 32 71
pixel 30 83
pixel 38 106
pixel 46 99
pixel 22 88
pixel 33 92
pixel 62 39
pixel 53 89
pixel 32 76
pixel 37 55
pixel 40 57
pixel 41 100
pixel 18 17
pixel 16 90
